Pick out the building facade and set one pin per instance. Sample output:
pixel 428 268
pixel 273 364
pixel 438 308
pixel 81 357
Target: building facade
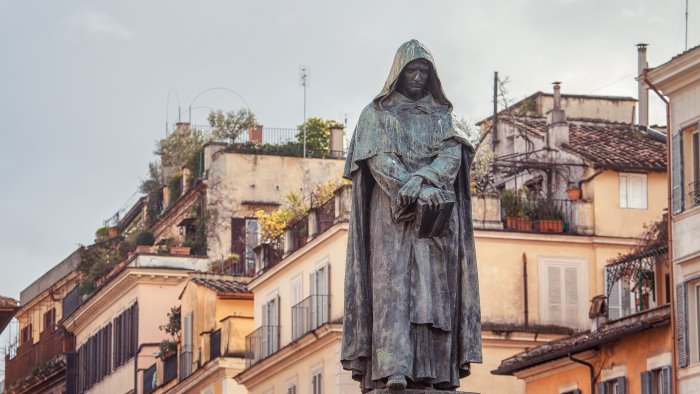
pixel 679 81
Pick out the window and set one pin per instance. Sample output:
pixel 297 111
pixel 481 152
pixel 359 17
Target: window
pixel 630 295
pixel 270 326
pixel 657 381
pixel 317 382
pixel 574 391
pixel 49 320
pixel 125 335
pixel 26 335
pixel 319 296
pixel 292 388
pixel 694 186
pixel 298 312
pixel 633 191
pixel 244 238
pixel 613 386
pixel 95 358
pixel 563 291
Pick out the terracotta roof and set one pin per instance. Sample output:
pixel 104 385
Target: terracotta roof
pixel 560 348
pixel 221 286
pixel 7 302
pixel 608 145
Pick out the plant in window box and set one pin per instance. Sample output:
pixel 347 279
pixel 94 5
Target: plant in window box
pixel 573 191
pixel 167 349
pixel 180 250
pixel 512 204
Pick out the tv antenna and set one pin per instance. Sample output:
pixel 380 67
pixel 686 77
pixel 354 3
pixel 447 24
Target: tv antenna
pixel 304 82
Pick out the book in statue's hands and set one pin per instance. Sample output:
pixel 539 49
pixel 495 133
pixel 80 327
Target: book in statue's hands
pixel 434 222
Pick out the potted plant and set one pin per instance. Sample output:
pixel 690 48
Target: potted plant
pixel 180 250
pixel 167 349
pixel 549 218
pixel 512 202
pixel 144 242
pixel 573 191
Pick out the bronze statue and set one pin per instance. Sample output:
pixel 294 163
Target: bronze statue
pixel 412 316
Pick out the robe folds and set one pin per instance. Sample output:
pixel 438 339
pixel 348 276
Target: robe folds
pixel 411 305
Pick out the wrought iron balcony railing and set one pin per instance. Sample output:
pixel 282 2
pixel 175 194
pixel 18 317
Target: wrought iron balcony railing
pixel 261 343
pixel 694 194
pixel 309 314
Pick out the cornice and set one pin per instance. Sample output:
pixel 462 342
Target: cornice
pixel 555 366
pixel 551 237
pixel 290 354
pixel 129 278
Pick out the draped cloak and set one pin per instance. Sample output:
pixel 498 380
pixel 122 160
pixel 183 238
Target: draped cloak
pixel 456 322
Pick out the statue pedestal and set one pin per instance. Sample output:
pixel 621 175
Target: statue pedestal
pixel 417 391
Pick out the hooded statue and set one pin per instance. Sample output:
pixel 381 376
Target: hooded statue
pixel 412 317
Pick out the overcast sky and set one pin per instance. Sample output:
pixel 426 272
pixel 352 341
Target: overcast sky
pixel 84 84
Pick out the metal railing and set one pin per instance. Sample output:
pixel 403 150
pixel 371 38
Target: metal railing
pixel 694 194
pixel 270 135
pixel 261 343
pixel 299 234
pixel 309 314
pixel 326 215
pixel 169 369
pixel 31 355
pixel 266 257
pixel 215 344
pixel 149 379
pixel 538 214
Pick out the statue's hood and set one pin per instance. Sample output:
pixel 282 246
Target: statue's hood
pixel 407 52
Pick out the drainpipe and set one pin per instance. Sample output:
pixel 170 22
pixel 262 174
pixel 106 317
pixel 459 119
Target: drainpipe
pixel 591 370
pixel 644 76
pixel 526 312
pixel 586 180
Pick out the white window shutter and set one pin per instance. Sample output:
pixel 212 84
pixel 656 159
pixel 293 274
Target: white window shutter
pixel 571 301
pixel 637 191
pixel 623 191
pixel 614 300
pixel 554 293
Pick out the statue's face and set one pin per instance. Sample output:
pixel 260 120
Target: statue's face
pixel 413 78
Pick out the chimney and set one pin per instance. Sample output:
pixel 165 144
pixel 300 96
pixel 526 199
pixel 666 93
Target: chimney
pixel 643 90
pixel 255 134
pixel 557 126
pixel 336 141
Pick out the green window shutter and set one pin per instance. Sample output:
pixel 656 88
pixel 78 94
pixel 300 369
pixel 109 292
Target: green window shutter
pixel 666 379
pixel 677 171
pixel 622 385
pixel 682 324
pixel 646 382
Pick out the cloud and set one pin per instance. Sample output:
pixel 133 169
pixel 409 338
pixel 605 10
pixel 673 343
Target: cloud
pixel 99 23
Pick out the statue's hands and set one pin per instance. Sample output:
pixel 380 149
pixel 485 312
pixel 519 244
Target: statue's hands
pixel 432 196
pixel 409 192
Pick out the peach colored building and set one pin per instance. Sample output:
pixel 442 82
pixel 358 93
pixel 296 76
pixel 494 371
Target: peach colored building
pixel 116 329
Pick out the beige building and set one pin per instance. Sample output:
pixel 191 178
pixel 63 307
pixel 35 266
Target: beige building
pixel 679 81
pixel 216 315
pixel 234 183
pixel 536 280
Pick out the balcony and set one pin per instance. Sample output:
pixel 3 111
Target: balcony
pixel 309 314
pixel 30 356
pixel 631 283
pixel 261 343
pixel 694 194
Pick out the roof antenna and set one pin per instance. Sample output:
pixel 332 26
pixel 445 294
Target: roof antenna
pixel 686 25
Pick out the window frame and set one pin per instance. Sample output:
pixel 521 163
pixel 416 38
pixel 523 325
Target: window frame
pixel 645 190
pixel 316 371
pixel 581 265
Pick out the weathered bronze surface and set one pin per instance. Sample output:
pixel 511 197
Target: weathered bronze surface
pixel 411 304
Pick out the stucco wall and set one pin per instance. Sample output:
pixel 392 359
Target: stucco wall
pixel 331 250
pixel 635 353
pixel 258 180
pixel 590 107
pixel 613 221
